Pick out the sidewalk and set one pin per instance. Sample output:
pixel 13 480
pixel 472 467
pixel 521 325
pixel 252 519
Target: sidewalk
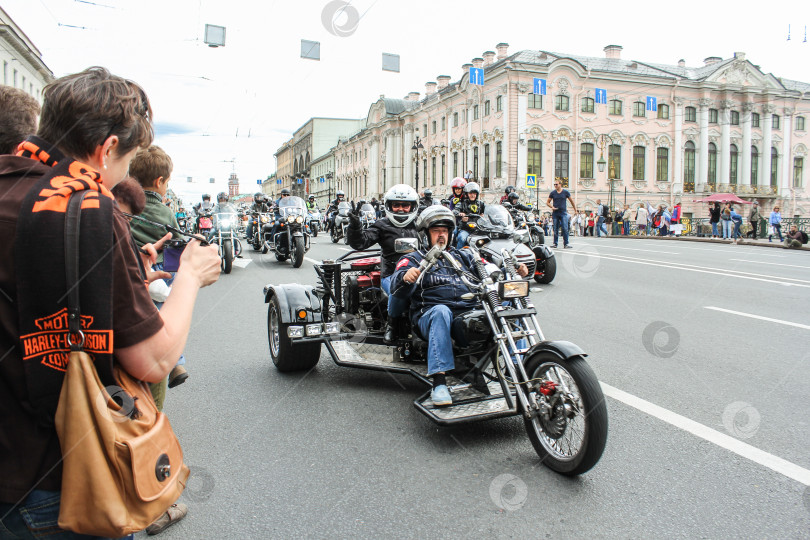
pixel 742 242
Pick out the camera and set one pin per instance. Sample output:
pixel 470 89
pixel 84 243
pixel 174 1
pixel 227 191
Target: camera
pixel 171 254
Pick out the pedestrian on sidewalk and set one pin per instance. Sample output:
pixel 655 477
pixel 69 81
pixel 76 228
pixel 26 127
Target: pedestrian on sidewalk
pixel 602 213
pixel 725 221
pixel 590 224
pixel 736 220
pixel 775 220
pixel 795 238
pixel 559 197
pixel 641 220
pixel 753 217
pixel 714 219
pixel 626 220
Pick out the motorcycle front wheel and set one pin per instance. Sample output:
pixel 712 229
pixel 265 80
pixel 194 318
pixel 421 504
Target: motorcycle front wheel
pixel 298 252
pixel 573 438
pixel 549 271
pixel 334 237
pixel 227 256
pixel 314 228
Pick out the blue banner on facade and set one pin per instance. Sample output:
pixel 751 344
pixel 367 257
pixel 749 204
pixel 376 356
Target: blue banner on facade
pixel 539 86
pixel 601 96
pixel 652 104
pixel 477 76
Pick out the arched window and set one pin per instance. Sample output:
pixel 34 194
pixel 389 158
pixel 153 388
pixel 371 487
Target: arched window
pixel 614 161
pixel 586 160
pixel 639 108
pixel 732 164
pixel 774 167
pixel 662 165
pixel 615 106
pixel 712 163
pixel 561 103
pixel 689 162
pixel 535 158
pixel 663 111
pixel 561 162
pixel 690 114
pixel 754 165
pixel 587 105
pixel 639 155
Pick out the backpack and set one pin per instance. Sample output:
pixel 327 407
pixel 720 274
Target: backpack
pixel 804 237
pixel 605 211
pixel 657 220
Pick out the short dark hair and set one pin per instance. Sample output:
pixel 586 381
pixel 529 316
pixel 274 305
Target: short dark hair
pixel 149 164
pixel 80 111
pixel 18 118
pixel 129 192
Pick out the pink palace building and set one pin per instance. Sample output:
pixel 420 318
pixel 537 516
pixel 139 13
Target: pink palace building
pixel 609 128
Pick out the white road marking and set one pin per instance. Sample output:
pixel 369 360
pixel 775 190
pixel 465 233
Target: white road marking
pixel 345 249
pixel 776 464
pixel 772 264
pixel 313 261
pixel 760 317
pixel 632 249
pixel 242 263
pixel 699 269
pixel 723 248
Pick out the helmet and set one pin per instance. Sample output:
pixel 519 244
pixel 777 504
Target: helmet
pixel 428 193
pixel 458 182
pixel 401 193
pixel 311 197
pixel 513 197
pixel 510 189
pixel 222 196
pixel 340 193
pixel 285 191
pixel 206 197
pixel 435 216
pixel 472 187
pixel 258 196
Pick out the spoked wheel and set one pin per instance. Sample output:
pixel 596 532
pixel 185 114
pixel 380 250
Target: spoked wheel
pixel 537 238
pixel 227 256
pixel 285 355
pixel 298 252
pixel 549 269
pixel 571 440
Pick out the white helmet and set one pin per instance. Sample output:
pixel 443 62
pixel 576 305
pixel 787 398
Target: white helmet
pixel 401 193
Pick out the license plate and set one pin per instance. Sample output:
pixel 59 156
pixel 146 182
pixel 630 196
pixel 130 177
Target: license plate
pixel 206 223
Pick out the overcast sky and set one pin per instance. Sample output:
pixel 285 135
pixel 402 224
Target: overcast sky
pixel 242 101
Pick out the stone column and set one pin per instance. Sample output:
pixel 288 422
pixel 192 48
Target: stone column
pixel 787 154
pixel 407 155
pixel 703 166
pixel 676 154
pixel 725 141
pixel 745 151
pixel 765 154
pixel 374 164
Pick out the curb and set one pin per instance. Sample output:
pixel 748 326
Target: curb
pixel 708 241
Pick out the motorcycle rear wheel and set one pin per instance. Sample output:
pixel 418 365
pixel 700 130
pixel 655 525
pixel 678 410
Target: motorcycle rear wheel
pixel 286 356
pixel 314 228
pixel 227 256
pixel 334 237
pixel 569 446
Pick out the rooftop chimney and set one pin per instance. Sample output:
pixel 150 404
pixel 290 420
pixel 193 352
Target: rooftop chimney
pixel 489 58
pixel 478 62
pixel 412 96
pixel 502 48
pixel 711 60
pixel 739 55
pixel 613 52
pixel 681 63
pixel 466 68
pixel 444 80
pixel 430 88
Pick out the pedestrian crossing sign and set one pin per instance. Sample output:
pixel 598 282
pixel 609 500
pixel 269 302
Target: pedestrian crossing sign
pixel 531 180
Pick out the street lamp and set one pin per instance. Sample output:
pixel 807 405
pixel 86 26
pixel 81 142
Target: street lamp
pixel 417 145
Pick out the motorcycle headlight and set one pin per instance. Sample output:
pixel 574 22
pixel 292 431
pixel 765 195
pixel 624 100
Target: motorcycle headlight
pixel 264 219
pixel 290 219
pixel 314 329
pixel 331 328
pixel 295 331
pixel 225 223
pixel 299 219
pixel 513 289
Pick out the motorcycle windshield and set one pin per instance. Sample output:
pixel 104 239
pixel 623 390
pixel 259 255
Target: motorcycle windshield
pixel 496 219
pixel 368 211
pixel 344 208
pixel 291 206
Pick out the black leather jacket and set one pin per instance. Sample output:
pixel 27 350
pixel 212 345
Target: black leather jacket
pixel 381 232
pixel 468 207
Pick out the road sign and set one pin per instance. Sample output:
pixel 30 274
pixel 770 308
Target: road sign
pixel 278 181
pixel 300 181
pixel 477 76
pixel 539 86
pixel 323 179
pixel 601 96
pixel 652 104
pixel 258 181
pixel 531 180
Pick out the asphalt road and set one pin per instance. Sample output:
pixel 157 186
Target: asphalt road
pixel 703 352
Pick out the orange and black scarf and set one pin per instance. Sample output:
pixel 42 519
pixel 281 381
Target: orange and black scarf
pixel 39 254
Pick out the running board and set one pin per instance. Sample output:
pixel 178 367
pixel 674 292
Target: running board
pixel 469 405
pixel 374 357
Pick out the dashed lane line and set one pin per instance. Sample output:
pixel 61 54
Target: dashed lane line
pixel 759 317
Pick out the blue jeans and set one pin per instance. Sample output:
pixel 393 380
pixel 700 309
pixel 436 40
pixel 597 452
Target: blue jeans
pixel 737 225
pixel 601 228
pixel 726 228
pixel 396 306
pixel 434 324
pixel 714 230
pixel 36 517
pixel 560 221
pixel 461 241
pixel 159 266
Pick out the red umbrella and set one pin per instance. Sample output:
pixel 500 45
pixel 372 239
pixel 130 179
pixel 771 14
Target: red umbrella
pixel 723 198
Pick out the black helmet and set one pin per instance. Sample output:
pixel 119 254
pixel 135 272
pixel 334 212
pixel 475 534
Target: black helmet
pixel 258 196
pixel 222 196
pixel 428 193
pixel 311 197
pixel 513 197
pixel 285 191
pixel 206 197
pixel 510 189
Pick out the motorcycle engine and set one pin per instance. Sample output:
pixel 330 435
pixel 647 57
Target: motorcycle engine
pixel 363 297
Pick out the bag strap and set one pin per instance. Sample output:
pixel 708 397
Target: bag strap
pixel 73 218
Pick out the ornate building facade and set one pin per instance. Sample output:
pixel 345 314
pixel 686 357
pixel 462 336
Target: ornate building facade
pixel 21 61
pixel 606 127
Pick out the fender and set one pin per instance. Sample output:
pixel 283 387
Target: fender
pixel 560 349
pixel 298 233
pixel 542 252
pixel 293 297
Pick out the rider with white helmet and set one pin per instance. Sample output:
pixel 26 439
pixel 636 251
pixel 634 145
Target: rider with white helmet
pixel 401 206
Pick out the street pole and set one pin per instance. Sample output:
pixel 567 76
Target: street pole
pixel 417 145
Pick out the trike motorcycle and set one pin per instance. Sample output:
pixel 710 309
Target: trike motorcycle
pixel 504 366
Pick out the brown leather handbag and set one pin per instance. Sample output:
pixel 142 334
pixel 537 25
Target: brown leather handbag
pixel 122 463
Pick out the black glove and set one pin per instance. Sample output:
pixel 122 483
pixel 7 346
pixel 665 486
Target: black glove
pixel 355 210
